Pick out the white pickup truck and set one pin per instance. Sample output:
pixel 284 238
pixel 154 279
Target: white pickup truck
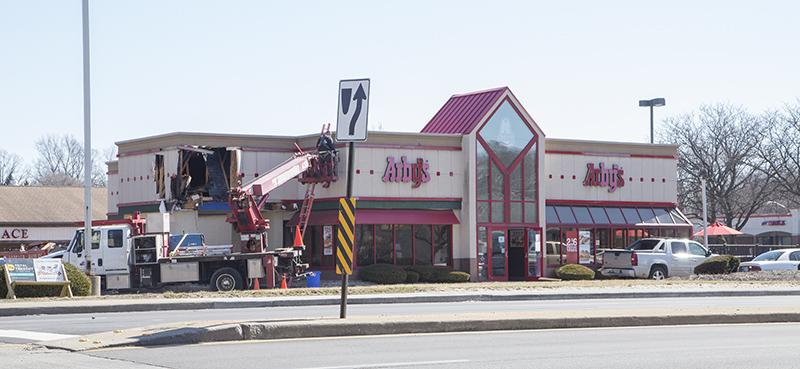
pixel 654 258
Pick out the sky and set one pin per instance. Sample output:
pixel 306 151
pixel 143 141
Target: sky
pixel 273 67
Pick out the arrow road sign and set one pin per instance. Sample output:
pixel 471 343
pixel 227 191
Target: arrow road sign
pixel 351 124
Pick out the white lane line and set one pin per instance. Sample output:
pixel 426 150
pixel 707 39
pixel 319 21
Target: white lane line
pixel 36 336
pixel 395 365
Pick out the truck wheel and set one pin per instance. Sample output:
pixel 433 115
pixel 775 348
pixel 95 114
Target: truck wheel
pixel 658 273
pixel 226 279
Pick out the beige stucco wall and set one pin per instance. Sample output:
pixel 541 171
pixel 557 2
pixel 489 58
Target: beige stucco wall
pixel 650 171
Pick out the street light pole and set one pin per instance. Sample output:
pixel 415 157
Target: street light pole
pixel 651 103
pixel 703 175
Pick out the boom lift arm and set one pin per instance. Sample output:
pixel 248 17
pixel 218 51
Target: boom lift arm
pixel 246 214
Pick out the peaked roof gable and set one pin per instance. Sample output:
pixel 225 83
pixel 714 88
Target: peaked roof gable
pixel 462 113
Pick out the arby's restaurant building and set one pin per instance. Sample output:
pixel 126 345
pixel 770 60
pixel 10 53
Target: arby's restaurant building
pixel 479 189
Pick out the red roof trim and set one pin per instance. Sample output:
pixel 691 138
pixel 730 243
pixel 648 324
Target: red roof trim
pixel 610 203
pixel 611 154
pixel 409 147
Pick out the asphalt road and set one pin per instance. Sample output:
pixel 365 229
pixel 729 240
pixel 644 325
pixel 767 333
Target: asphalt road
pixel 686 347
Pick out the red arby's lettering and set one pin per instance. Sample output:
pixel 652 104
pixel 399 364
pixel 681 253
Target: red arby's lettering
pixel 603 177
pixel 14 234
pixel 404 171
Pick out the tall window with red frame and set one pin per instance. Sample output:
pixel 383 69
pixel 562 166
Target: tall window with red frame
pixel 507 169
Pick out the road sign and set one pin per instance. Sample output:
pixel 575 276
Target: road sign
pixel 347 225
pixel 351 124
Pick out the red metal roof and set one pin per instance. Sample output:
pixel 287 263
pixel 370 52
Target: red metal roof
pixel 462 113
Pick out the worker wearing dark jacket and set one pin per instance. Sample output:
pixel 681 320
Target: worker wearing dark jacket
pixel 325 143
pixel 325 148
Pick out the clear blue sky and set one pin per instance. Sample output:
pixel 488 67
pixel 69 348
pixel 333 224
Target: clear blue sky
pixel 273 67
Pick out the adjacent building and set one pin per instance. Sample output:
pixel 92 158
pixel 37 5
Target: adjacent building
pixel 35 217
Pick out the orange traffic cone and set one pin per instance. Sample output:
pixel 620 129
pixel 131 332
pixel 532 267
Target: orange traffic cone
pixel 283 284
pixel 298 240
pixel 256 287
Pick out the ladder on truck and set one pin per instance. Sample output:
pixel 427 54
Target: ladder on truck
pixel 305 210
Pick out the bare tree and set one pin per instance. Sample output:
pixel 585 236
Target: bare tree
pixel 60 163
pixel 723 140
pixel 10 164
pixel 781 151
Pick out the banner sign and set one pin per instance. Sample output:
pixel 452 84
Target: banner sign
pixel 20 270
pixel 35 272
pixel 572 247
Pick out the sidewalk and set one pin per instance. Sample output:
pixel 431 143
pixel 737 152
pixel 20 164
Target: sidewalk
pixel 209 331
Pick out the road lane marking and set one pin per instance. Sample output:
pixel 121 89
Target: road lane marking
pixel 394 365
pixel 36 336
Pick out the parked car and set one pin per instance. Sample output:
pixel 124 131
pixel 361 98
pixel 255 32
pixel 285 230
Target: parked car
pixel 784 259
pixel 654 258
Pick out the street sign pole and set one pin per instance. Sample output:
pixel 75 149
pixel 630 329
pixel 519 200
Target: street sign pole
pixel 351 126
pixel 350 165
pixel 344 248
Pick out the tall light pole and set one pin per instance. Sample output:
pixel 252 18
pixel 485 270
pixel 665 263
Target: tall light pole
pixel 651 103
pixel 703 176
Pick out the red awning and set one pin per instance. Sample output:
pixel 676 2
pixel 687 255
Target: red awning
pixel 318 217
pixel 381 216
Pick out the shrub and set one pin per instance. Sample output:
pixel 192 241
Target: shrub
pixel 425 272
pixel 383 274
pixel 720 264
pixel 445 275
pixel 80 284
pixel 412 277
pixel 432 274
pixel 574 272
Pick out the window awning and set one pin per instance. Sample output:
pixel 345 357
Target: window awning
pixel 381 216
pixel 614 215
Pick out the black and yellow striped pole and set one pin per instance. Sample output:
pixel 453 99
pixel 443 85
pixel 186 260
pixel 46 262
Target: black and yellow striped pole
pixel 347 223
pixel 347 231
pixel 344 248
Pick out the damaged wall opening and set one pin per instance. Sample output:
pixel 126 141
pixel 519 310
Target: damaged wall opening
pixel 205 174
pixel 158 168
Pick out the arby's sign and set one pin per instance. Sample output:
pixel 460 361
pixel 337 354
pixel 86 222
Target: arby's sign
pixel 405 171
pixel 604 177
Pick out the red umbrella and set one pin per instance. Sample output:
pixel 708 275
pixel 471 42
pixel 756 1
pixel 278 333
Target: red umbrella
pixel 718 229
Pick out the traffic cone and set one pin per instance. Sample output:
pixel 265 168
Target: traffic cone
pixel 298 240
pixel 256 287
pixel 283 284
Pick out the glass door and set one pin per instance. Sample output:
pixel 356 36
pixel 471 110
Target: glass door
pixel 498 262
pixel 534 252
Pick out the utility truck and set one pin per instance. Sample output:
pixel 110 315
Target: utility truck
pixel 141 253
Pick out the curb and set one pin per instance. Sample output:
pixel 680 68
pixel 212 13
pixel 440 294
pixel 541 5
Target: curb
pixel 197 332
pixel 110 306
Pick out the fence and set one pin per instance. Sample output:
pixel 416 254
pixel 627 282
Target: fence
pixel 30 254
pixel 745 252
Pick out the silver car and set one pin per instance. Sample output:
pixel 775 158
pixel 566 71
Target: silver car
pixel 784 259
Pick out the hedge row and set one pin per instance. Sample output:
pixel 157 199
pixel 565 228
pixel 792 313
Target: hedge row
pixel 392 274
